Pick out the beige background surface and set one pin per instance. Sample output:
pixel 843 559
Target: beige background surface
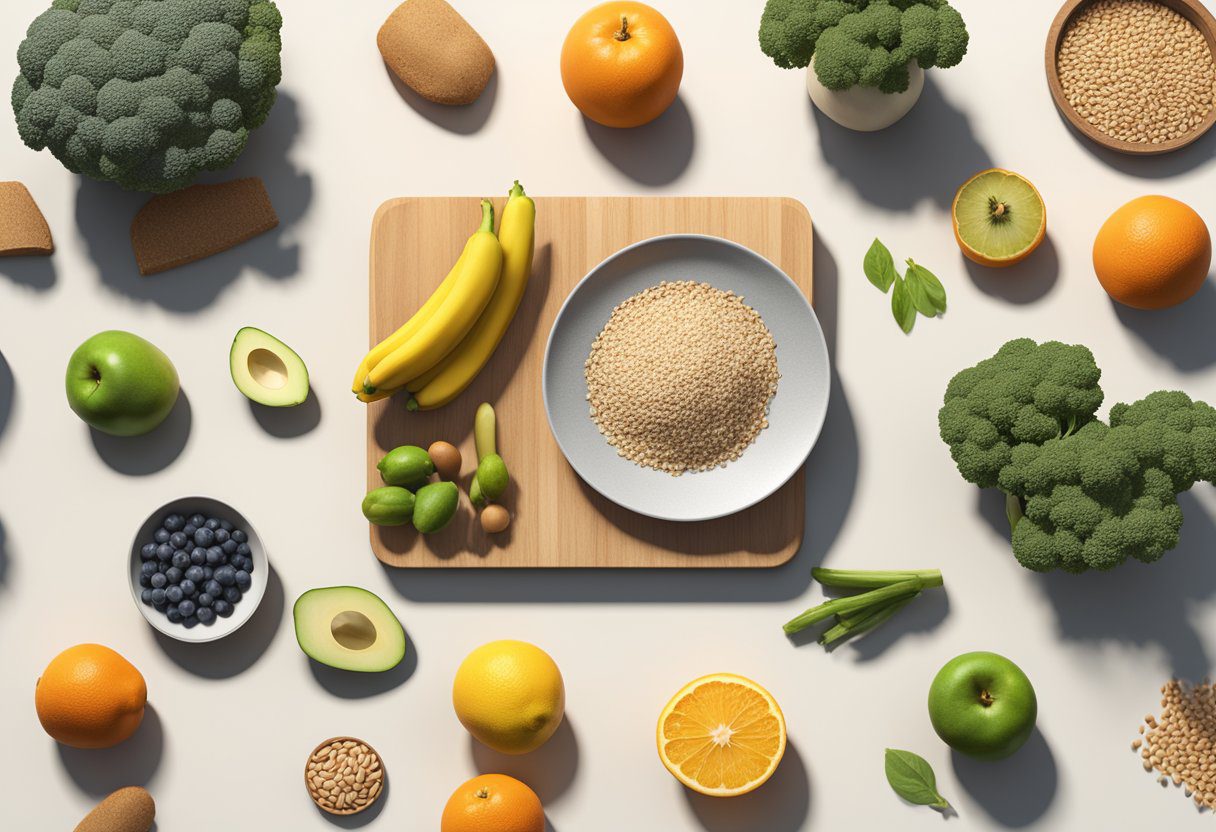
pixel 234 720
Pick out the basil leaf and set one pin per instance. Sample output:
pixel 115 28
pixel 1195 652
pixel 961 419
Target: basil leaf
pixel 934 289
pixel 880 266
pixel 902 307
pixel 918 293
pixel 912 779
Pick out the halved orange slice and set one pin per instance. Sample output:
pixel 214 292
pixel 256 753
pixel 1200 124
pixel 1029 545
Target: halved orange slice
pixel 722 735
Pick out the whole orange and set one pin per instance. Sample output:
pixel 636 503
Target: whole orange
pixel 622 64
pixel 493 803
pixel 1152 253
pixel 90 697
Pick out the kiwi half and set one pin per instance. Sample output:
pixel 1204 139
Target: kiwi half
pixel 999 218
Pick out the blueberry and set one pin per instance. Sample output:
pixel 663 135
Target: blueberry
pixel 188 588
pixel 145 580
pixel 213 588
pixel 158 597
pixel 164 552
pixel 174 594
pixel 215 556
pixel 221 536
pixel 195 574
pixel 204 537
pixel 205 616
pixel 186 608
pixel 159 580
pixel 208 572
pixel 229 547
pixel 148 568
pixel 244 550
pixel 189 530
pixel 149 551
pixel 198 555
pixel 222 608
pixel 178 540
pixel 226 575
pixel 205 600
pixel 174 522
pixel 174 575
pixel 239 536
pixel 232 595
pixel 212 523
pixel 174 616
pixel 146 596
pixel 243 581
pixel 197 520
pixel 161 536
pixel 181 560
pixel 189 621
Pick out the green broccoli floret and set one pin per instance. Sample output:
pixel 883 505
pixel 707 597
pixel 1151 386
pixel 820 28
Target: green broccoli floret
pixel 863 42
pixel 147 93
pixel 1083 494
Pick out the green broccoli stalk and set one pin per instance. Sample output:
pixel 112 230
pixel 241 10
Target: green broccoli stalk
pixel 863 42
pixel 1080 493
pixel 147 93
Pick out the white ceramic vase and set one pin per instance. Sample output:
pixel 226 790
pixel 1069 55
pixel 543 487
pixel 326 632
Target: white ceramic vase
pixel 865 109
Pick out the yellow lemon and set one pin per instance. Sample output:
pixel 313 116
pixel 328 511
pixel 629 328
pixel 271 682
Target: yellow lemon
pixel 509 695
pixel 721 735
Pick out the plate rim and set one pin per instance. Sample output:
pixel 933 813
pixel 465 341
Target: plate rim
pixel 818 331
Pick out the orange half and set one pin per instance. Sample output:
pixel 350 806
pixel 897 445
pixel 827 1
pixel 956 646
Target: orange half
pixel 722 735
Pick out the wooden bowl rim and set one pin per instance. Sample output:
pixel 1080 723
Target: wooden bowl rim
pixel 1192 10
pixel 344 812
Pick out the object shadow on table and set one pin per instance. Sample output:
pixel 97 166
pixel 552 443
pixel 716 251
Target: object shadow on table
pixel 549 770
pixel 362 818
pixel 1161 166
pixel 133 762
pixel 348 684
pixel 8 394
pixel 1025 282
pixel 104 212
pixel 1094 606
pixel 461 119
pixel 4 555
pixel 653 154
pixel 1014 792
pixel 36 272
pixel 1171 333
pixel 780 805
pixel 137 456
pixel 288 422
pixel 832 472
pixel 924 156
pixel 236 652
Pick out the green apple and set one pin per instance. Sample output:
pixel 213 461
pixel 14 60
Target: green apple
pixel 121 384
pixel 982 705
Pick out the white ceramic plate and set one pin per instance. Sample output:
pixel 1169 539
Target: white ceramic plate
pixel 795 416
pixel 249 602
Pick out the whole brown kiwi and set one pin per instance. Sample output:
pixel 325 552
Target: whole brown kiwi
pixel 435 52
pixel 130 809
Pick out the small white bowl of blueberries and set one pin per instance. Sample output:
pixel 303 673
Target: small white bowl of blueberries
pixel 198 569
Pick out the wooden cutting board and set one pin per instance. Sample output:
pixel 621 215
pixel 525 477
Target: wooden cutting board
pixel 558 520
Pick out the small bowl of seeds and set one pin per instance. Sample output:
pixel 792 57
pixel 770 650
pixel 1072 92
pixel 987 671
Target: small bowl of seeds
pixel 344 776
pixel 1136 76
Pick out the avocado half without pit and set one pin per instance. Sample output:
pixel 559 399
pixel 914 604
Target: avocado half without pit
pixel 348 628
pixel 266 370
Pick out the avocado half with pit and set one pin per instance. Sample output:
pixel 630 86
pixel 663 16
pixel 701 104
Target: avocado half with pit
pixel 266 370
pixel 348 628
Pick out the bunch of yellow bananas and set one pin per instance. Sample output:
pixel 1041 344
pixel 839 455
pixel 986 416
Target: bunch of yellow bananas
pixel 438 352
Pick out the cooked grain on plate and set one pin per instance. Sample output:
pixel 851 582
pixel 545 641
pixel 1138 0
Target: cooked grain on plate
pixel 681 376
